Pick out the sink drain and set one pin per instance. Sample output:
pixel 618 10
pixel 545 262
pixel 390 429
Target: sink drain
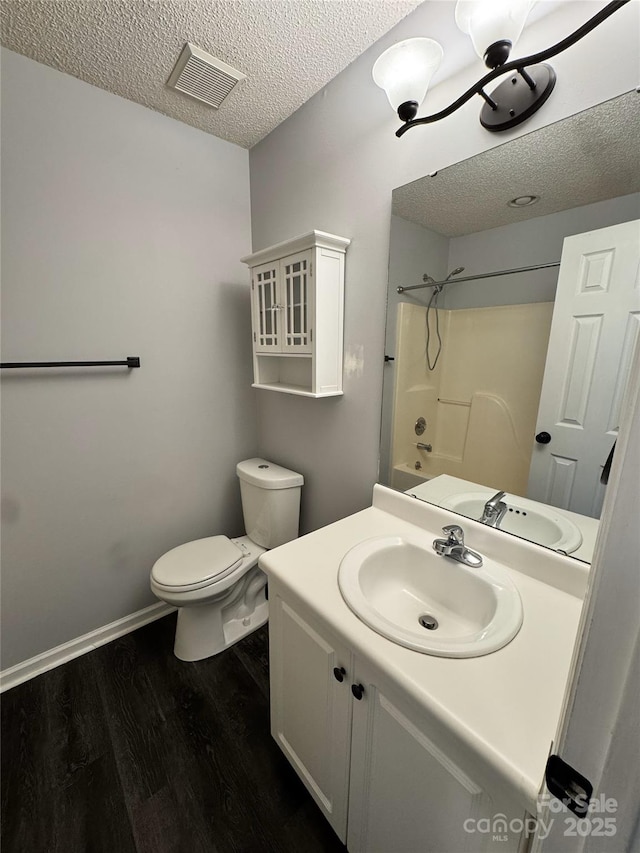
pixel 428 622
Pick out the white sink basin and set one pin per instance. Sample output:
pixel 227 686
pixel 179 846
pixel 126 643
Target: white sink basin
pixel 393 582
pixel 527 519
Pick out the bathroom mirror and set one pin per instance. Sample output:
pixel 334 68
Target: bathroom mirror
pixel 462 391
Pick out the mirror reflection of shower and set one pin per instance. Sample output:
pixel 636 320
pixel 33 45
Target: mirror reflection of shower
pixel 433 303
pixel 481 403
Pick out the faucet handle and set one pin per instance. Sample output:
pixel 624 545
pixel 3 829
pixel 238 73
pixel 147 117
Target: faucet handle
pixel 455 534
pixel 495 500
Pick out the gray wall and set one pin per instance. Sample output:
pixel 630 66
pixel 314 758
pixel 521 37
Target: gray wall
pixel 332 166
pixel 522 244
pixel 121 233
pixel 414 250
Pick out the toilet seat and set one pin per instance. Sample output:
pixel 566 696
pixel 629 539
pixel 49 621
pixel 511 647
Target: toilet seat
pixel 197 564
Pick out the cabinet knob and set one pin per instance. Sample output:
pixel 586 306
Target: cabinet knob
pixel 543 438
pixel 357 690
pixel 339 673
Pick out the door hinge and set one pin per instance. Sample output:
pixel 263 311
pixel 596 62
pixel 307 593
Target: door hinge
pixel 311 269
pixel 254 337
pixel 310 336
pixel 252 284
pixel 569 786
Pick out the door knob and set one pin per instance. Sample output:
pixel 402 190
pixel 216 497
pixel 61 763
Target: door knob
pixel 339 673
pixel 357 690
pixel 543 438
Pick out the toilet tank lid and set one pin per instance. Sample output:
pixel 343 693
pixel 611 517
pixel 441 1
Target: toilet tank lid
pixel 266 475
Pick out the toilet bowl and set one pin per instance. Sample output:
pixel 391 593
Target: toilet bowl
pixel 215 582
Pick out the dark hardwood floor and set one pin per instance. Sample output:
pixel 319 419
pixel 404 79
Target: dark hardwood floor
pixel 129 749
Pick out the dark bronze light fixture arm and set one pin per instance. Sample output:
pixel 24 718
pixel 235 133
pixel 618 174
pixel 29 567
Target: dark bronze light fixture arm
pixel 518 65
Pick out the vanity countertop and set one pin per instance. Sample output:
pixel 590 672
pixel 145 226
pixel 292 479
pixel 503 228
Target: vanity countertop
pixel 505 706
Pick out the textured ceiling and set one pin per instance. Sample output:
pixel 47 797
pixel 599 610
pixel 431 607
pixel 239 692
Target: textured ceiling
pixel 588 157
pixel 289 49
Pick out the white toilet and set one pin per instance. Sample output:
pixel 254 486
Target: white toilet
pixel 215 582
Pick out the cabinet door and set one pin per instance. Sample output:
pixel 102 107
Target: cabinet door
pixel 266 307
pixel 407 796
pixel 297 301
pixel 310 708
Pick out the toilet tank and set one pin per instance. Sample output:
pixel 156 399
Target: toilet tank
pixel 270 501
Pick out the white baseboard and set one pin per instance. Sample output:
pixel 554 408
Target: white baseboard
pixel 21 672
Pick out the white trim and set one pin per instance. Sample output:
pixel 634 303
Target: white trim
pixel 294 389
pixel 21 672
pixel 320 239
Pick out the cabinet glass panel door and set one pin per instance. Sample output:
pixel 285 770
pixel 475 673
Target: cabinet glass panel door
pixel 266 307
pixel 296 275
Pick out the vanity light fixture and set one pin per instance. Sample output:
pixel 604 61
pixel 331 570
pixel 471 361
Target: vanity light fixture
pixel 405 70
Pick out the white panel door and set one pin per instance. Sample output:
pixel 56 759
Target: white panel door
pixel 311 708
pixel 595 324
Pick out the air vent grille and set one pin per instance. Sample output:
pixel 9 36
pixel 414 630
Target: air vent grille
pixel 203 77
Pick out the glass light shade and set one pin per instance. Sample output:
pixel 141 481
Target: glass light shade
pixel 490 21
pixel 405 70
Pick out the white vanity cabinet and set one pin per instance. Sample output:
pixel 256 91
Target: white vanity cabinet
pixel 311 706
pixel 297 307
pixel 376 768
pixel 408 792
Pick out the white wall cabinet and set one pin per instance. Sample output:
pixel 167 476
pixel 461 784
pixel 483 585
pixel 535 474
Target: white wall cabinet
pixel 297 310
pixel 367 758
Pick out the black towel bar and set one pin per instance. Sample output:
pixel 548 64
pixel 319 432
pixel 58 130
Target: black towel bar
pixel 131 361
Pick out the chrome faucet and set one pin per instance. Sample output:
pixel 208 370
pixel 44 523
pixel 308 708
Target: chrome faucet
pixel 494 510
pixel 453 546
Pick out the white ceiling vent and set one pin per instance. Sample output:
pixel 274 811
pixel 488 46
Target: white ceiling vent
pixel 203 77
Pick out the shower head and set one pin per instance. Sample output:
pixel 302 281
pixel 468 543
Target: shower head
pixel 456 271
